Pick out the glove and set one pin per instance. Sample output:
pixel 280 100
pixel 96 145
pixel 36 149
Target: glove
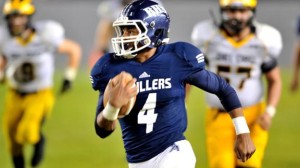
pixel 66 85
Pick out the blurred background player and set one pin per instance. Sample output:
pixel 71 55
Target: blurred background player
pixel 108 11
pixel 27 66
pixel 241 51
pixel 296 61
pixel 153 132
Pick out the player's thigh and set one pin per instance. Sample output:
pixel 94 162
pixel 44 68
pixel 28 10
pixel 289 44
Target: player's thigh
pixel 37 106
pixel 258 135
pixel 11 118
pixel 12 113
pixel 179 155
pixel 220 138
pixel 260 139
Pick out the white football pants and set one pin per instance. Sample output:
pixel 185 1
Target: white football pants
pixel 178 155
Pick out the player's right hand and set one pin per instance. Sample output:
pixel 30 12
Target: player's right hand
pixel 244 147
pixel 122 89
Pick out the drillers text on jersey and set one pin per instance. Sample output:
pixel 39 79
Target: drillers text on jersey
pixel 154 84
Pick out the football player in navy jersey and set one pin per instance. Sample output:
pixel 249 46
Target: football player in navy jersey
pixel 153 131
pixel 296 67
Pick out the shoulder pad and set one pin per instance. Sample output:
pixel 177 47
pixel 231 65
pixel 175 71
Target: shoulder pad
pixel 270 37
pixel 50 31
pixel 98 72
pixel 4 35
pixel 190 53
pixel 202 32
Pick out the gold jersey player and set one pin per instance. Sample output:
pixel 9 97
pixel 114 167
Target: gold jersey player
pixel 27 66
pixel 242 51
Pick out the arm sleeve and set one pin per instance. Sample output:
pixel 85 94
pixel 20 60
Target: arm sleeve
pixel 268 65
pixel 212 83
pixel 99 82
pixel 101 132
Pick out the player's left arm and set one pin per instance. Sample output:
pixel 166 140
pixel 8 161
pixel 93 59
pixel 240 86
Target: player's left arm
pixel 272 40
pixel 3 63
pixel 296 62
pixel 211 82
pixel 73 50
pixel 103 127
pixel 274 87
pixel 53 35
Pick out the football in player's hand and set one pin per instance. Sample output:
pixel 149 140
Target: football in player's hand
pixel 124 110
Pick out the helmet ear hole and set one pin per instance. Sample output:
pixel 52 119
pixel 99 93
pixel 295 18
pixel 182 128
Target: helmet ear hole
pixel 158 32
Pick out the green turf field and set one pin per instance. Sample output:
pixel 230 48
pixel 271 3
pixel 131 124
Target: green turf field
pixel 72 143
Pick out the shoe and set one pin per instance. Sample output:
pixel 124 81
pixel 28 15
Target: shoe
pixel 38 153
pixel 18 161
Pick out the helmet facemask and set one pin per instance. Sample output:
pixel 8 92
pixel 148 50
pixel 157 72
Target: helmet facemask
pixel 236 15
pixel 17 23
pixel 234 25
pixel 129 46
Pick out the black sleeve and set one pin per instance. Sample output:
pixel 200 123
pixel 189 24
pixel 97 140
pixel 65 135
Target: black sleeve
pixel 101 132
pixel 213 83
pixel 268 66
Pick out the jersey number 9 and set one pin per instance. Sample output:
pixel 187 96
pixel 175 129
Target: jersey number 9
pixel 24 73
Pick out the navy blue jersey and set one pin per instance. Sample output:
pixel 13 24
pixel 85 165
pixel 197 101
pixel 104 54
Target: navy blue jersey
pixel 158 118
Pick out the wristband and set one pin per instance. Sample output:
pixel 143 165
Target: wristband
pixel 240 125
pixel 271 110
pixel 70 73
pixel 110 112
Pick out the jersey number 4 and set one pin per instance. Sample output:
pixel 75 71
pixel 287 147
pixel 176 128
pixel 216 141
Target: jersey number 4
pixel 147 115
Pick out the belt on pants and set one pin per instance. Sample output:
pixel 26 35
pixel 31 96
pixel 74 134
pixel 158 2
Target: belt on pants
pixel 24 93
